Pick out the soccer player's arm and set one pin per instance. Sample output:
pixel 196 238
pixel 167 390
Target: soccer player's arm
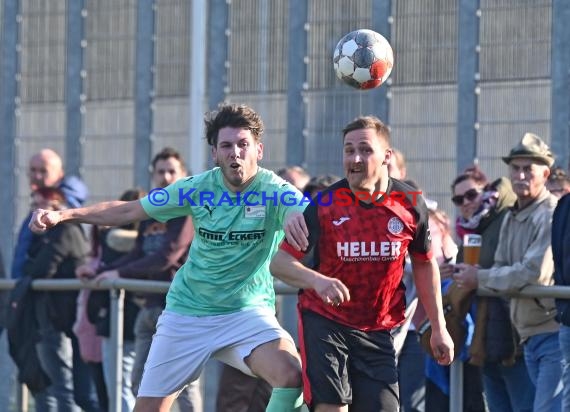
pixel 291 208
pixel 428 285
pixel 286 265
pixel 114 213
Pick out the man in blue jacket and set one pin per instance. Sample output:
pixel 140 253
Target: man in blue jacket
pixel 561 254
pixel 46 170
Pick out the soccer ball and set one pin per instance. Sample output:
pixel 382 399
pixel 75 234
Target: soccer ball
pixel 363 59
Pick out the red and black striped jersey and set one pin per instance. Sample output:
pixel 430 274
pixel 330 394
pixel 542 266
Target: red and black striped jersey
pixel 364 245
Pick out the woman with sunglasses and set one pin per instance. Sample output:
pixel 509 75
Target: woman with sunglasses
pixel 482 207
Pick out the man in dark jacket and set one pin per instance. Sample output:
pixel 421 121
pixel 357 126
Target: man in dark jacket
pixel 46 170
pixel 561 254
pixel 55 255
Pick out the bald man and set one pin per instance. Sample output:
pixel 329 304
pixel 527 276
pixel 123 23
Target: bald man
pixel 46 170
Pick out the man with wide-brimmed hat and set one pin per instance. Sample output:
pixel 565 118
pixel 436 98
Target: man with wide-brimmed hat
pixel 524 257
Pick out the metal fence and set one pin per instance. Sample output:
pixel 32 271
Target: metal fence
pixel 118 287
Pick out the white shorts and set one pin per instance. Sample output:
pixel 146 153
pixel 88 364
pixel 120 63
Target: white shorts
pixel 182 344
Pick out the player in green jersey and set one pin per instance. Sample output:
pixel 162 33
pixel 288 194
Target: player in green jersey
pixel 221 301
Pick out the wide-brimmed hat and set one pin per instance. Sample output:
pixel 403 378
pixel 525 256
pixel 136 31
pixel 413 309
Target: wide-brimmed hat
pixel 531 147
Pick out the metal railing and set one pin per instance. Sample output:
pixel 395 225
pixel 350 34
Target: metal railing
pixel 116 290
pixel 117 294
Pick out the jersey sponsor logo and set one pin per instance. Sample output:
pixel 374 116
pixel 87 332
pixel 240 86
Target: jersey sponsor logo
pixel 340 221
pixel 255 212
pixel 395 226
pixel 235 236
pixel 368 251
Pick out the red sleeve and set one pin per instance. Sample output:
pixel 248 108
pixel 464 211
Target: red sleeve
pixel 286 247
pixel 311 219
pixel 420 246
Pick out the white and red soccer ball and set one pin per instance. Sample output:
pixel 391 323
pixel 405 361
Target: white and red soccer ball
pixel 363 59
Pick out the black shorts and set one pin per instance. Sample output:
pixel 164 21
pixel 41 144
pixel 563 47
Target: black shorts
pixel 342 365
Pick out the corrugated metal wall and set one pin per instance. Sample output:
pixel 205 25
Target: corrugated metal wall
pixel 257 67
pixel 514 93
pixel 172 76
pixel 424 94
pixel 108 111
pixel 330 104
pixel 40 108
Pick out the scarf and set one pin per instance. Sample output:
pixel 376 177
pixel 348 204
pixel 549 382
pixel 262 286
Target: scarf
pixel 488 202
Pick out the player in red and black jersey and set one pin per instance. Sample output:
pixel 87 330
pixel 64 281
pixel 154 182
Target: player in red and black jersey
pixel 360 230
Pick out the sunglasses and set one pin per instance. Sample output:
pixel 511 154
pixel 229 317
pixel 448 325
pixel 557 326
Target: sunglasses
pixel 470 195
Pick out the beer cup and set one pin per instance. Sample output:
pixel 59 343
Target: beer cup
pixel 471 248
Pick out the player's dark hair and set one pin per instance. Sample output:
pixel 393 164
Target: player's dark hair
pixel 232 115
pixel 472 172
pixel 166 154
pixel 368 122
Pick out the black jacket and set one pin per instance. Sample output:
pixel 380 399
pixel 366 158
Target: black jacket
pixel 55 255
pixel 22 331
pixel 561 254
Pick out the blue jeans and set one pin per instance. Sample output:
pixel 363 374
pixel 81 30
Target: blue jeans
pixel 71 381
pixel 127 396
pixel 411 374
pixel 8 373
pixel 84 391
pixel 564 339
pixel 544 364
pixel 56 357
pixel 508 388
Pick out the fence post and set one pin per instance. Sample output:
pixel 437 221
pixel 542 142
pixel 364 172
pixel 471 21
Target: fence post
pixel 117 307
pixel 456 385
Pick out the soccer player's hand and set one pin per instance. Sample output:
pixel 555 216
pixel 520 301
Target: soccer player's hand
pixel 332 291
pixel 296 230
pixel 442 346
pixel 42 220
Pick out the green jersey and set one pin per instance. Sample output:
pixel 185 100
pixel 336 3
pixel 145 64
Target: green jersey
pixel 236 235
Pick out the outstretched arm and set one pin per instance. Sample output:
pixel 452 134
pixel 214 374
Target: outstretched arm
pixel 426 278
pixel 290 270
pixel 115 213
